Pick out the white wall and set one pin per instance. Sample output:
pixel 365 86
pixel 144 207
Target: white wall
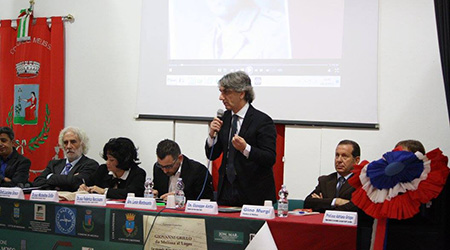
pixel 102 59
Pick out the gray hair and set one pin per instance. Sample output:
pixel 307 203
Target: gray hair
pixel 84 140
pixel 240 82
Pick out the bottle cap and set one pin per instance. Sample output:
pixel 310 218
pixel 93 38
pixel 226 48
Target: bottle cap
pixel 268 203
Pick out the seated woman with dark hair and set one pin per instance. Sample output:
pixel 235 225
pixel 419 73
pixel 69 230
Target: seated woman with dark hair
pixel 121 174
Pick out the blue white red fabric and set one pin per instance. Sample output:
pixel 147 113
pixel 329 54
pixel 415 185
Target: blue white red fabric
pixel 395 186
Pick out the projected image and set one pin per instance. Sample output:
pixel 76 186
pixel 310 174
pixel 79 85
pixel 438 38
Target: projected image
pixel 255 29
pixel 315 54
pixel 286 43
pixel 239 29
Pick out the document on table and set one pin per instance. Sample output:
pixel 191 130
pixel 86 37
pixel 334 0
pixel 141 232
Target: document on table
pixel 168 232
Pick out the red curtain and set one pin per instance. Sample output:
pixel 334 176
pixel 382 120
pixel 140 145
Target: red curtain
pixel 32 89
pixel 278 168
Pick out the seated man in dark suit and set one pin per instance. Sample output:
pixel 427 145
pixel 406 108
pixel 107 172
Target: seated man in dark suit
pixel 430 228
pixel 333 192
pixel 171 165
pixel 69 173
pixel 14 167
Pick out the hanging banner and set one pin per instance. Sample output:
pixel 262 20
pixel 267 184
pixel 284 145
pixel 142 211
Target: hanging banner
pixel 32 88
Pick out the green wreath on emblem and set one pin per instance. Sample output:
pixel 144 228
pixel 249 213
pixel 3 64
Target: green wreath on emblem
pixel 36 141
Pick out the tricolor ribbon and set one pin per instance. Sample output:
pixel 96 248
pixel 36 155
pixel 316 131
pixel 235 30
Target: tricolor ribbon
pixel 21 145
pixel 395 186
pixel 24 23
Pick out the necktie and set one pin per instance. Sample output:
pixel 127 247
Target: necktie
pixel 341 181
pixel 231 172
pixel 67 169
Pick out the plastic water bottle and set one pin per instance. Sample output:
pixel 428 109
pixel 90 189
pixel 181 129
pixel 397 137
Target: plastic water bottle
pixel 179 194
pixel 283 203
pixel 148 192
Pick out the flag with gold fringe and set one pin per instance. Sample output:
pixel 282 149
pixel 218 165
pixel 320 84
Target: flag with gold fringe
pixel 32 85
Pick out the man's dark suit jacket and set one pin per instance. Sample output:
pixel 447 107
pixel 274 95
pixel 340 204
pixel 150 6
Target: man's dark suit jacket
pixel 133 184
pixel 193 174
pixel 429 229
pixel 327 186
pixel 255 174
pixel 17 169
pixel 83 170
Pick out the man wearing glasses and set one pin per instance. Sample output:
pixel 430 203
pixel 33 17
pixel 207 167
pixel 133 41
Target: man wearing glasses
pixel 171 165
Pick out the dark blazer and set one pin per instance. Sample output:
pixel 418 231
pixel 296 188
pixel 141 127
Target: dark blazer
pixel 429 229
pixel 193 174
pixel 83 170
pixel 327 186
pixel 133 184
pixel 255 174
pixel 17 169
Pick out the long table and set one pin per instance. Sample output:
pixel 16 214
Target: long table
pixel 26 224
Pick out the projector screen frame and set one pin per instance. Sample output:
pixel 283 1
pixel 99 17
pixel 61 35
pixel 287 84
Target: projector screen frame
pixel 374 126
pixel 153 104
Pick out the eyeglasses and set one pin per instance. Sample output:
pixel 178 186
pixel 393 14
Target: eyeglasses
pixel 167 166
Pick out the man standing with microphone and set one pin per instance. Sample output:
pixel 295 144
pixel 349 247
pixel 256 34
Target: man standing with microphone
pixel 247 139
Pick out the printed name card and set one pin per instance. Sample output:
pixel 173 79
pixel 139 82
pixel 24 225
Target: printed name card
pixel 44 195
pixel 140 202
pixel 340 217
pixel 90 199
pixel 15 193
pixel 260 212
pixel 202 207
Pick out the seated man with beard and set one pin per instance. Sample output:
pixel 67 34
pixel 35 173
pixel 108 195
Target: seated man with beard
pixel 69 173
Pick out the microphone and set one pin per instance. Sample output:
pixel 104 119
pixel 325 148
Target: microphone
pixel 219 115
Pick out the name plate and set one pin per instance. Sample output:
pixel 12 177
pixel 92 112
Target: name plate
pixel 142 203
pixel 44 195
pixel 202 207
pixel 260 212
pixel 340 217
pixel 13 192
pixel 90 199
